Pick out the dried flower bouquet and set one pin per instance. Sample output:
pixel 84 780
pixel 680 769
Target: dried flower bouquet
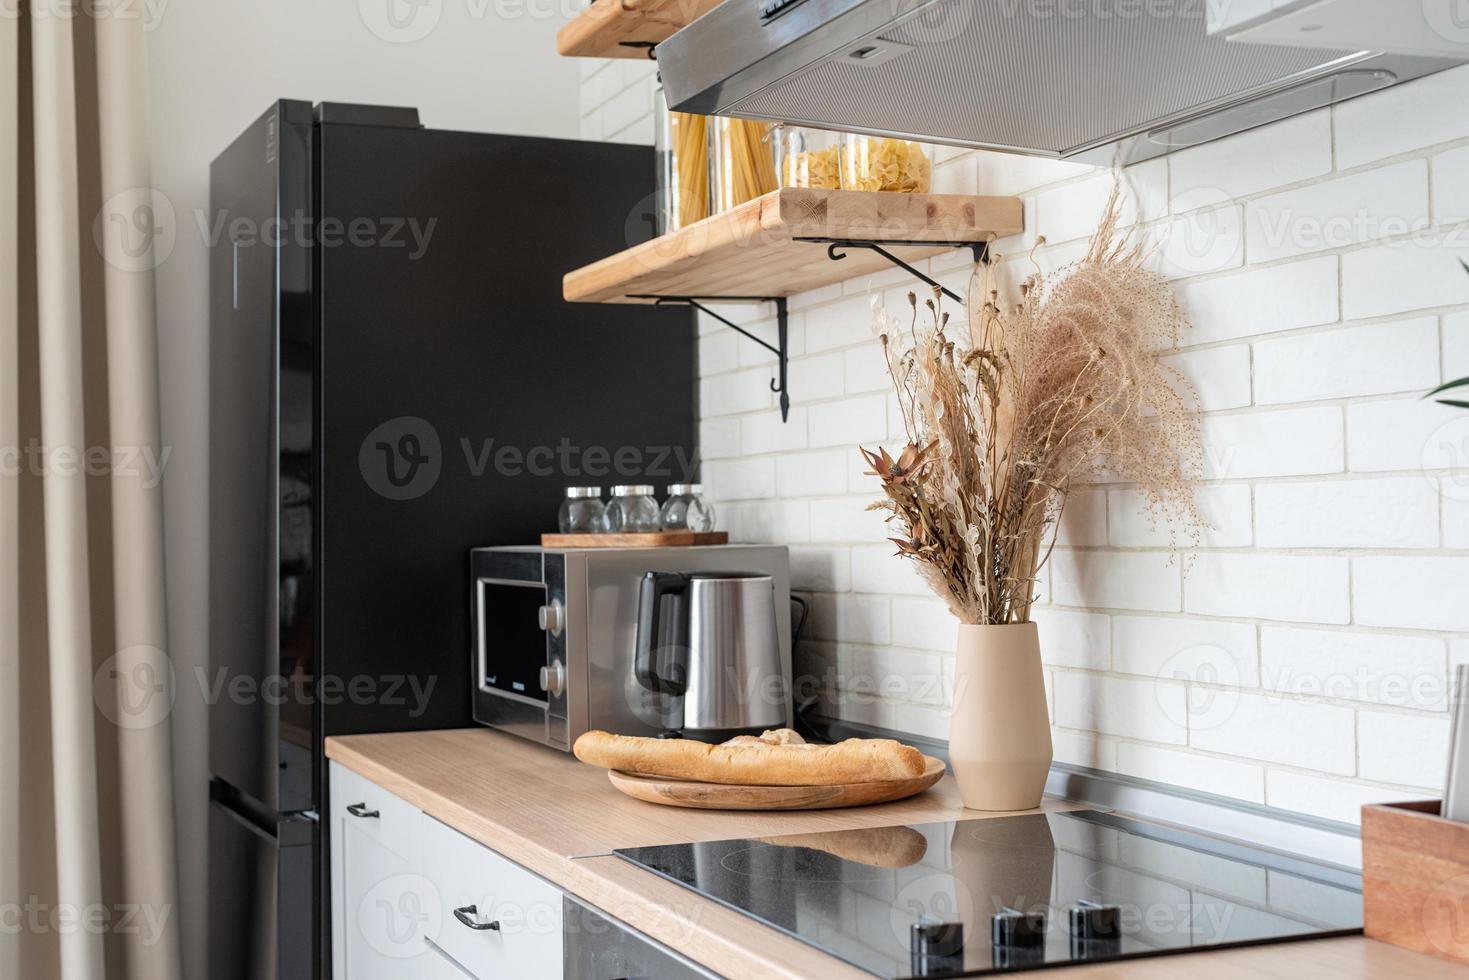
pixel 1031 397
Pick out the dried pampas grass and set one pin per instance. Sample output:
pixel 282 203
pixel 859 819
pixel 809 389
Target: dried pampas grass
pixel 1063 385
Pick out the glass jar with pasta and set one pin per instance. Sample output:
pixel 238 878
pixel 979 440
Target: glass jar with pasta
pixel 808 157
pixel 882 163
pixel 681 144
pixel 743 164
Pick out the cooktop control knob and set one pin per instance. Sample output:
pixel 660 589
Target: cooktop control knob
pixel 931 939
pixel 1018 930
pixel 1093 922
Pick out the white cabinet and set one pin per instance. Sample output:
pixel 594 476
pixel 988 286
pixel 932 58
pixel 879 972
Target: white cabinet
pixel 413 899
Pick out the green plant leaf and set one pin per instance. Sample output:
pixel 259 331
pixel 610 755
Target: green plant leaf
pixel 1447 385
pixel 1452 403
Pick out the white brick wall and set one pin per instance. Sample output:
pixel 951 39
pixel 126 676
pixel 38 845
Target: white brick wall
pixel 1301 658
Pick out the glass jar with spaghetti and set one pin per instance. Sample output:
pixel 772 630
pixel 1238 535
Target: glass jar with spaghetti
pixel 681 145
pixel 742 167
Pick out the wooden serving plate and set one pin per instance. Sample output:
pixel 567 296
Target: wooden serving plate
pixel 726 796
pixel 657 539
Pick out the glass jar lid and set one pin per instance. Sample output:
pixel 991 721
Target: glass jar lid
pixel 684 489
pixel 583 493
pixel 633 490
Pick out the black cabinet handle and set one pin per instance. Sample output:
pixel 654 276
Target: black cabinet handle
pixel 361 810
pixel 467 915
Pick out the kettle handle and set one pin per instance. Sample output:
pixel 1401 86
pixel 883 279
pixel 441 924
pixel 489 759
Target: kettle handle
pixel 654 587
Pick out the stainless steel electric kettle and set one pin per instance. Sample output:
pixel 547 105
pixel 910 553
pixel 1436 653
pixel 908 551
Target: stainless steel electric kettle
pixel 708 641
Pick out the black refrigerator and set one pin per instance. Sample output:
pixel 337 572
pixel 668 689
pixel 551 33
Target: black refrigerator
pixel 394 379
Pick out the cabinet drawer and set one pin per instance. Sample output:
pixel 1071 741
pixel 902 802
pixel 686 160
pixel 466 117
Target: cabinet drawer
pixel 374 811
pixel 524 942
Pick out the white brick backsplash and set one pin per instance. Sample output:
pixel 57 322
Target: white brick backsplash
pixel 1389 512
pixel 1084 519
pixel 719 438
pixel 1406 117
pixel 1302 656
pixel 1331 799
pixel 1223 777
pixel 877 568
pixel 1256 160
pixel 811 474
pixel 1417 273
pixel 1288 588
pixel 1413 593
pixel 1218 377
pixel 846 519
pixel 1120 706
pixel 1276 443
pixel 1197 650
pixel 767 432
pixel 1281 297
pixel 1407 749
pixel 1404 434
pixel 1354 665
pixel 814 378
pixel 1376 359
pixel 1451 186
pixel 1201 242
pixel 1347 211
pixel 741 479
pixel 1456 347
pixel 1115 580
pixel 840 324
pixel 850 618
pixel 821 570
pixel 926 624
pixel 1306 734
pixel 1074 639
pixel 851 421
pixel 1081 749
pixel 727 394
pixel 1455 496
pixel 1226 509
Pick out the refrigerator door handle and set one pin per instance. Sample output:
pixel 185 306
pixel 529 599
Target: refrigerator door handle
pixel 361 810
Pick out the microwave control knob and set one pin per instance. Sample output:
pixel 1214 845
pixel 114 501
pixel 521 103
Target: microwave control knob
pixel 551 617
pixel 553 679
pixel 1093 922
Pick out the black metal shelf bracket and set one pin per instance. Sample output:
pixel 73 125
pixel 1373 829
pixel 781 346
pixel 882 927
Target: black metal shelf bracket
pixel 836 250
pixel 781 348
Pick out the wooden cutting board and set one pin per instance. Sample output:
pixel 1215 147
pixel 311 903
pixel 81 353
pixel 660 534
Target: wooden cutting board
pixel 724 796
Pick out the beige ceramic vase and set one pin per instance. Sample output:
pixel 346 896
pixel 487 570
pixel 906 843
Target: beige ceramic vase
pixel 1000 731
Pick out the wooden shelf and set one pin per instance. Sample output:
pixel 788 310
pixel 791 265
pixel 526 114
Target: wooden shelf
pixel 756 248
pixel 626 28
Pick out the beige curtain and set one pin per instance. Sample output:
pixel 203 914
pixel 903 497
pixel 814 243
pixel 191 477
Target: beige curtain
pixel 87 864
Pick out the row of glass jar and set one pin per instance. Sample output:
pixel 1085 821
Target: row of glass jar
pixel 709 164
pixel 632 510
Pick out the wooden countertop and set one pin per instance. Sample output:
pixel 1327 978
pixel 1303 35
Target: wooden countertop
pixel 561 819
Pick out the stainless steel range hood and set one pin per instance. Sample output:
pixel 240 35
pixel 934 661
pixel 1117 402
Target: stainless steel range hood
pixel 1094 80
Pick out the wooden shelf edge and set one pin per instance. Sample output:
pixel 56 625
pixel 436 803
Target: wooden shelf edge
pixel 608 27
pixel 754 249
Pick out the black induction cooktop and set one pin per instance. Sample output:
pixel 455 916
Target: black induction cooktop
pixel 978 896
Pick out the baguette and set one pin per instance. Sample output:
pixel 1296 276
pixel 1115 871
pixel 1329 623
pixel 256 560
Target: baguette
pixel 857 760
pixel 878 847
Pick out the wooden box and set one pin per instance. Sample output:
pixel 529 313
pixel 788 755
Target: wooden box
pixel 1415 879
